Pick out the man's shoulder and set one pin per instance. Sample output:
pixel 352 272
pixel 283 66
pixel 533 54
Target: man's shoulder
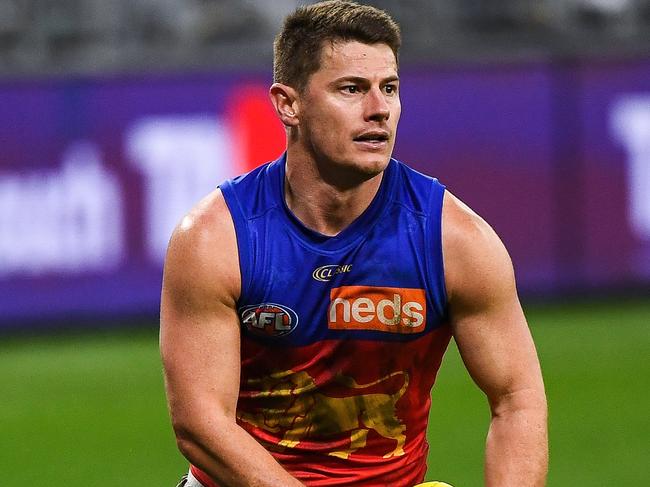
pixel 202 252
pixel 461 223
pixel 209 217
pixel 465 232
pixel 474 253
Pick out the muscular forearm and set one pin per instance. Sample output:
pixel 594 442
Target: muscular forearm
pixel 517 445
pixel 232 457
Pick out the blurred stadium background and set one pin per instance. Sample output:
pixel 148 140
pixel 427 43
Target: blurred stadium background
pixel 116 116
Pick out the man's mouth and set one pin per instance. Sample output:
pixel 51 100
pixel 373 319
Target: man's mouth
pixel 375 136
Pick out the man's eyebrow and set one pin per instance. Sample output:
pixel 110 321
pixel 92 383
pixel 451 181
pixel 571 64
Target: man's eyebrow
pixel 352 79
pixel 362 80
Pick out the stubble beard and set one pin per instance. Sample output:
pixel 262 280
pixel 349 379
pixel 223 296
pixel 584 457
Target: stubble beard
pixel 346 172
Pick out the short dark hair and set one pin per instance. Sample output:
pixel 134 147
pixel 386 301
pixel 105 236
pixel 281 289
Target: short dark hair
pixel 297 48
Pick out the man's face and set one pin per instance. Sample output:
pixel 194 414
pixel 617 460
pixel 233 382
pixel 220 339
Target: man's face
pixel 350 108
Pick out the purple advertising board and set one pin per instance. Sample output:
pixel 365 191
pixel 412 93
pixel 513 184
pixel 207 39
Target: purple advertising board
pixel 486 133
pixel 95 173
pixel 614 197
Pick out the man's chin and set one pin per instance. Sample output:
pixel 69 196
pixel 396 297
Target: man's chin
pixel 373 166
pixel 361 171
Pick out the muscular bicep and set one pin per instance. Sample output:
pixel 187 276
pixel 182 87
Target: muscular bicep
pixel 487 319
pixel 199 327
pixel 497 349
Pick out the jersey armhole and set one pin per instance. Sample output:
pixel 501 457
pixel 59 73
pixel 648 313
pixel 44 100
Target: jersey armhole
pixel 241 232
pixel 434 255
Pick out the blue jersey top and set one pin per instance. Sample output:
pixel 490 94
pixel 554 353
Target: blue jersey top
pixel 342 336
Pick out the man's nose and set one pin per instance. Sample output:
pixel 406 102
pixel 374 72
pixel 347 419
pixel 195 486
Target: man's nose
pixel 377 107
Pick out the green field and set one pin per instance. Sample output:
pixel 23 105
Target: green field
pixel 89 410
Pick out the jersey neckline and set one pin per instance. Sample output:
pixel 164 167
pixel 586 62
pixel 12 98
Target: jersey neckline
pixel 350 234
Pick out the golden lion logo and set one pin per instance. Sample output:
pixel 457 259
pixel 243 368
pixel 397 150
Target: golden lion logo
pixel 298 410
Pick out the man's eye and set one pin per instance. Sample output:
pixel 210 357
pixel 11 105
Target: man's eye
pixel 390 89
pixel 351 89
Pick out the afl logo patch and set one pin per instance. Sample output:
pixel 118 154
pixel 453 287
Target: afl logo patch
pixel 325 273
pixel 268 319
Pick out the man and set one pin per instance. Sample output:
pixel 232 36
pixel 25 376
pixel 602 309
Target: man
pixel 307 305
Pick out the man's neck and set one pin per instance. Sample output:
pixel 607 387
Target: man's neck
pixel 321 204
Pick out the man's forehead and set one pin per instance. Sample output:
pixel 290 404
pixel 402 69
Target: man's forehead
pixel 354 55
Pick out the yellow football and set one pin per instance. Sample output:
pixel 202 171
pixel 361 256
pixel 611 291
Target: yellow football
pixel 433 484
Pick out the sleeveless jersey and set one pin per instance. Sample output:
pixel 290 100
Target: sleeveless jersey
pixel 342 336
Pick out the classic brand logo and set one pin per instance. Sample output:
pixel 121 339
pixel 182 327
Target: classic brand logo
pixel 269 319
pixel 326 272
pixel 394 310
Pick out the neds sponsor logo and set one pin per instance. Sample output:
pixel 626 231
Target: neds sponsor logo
pixel 393 310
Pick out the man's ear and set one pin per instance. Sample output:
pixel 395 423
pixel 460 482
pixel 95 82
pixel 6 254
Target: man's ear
pixel 285 101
